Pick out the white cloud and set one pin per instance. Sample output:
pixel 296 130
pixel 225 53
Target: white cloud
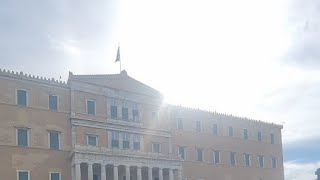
pixel 300 171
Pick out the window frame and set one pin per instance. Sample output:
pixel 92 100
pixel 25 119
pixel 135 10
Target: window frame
pixel 276 162
pixel 116 139
pixel 59 139
pixel 134 140
pixel 235 158
pixel 272 138
pixel 259 136
pixel 202 153
pixel 122 117
pixel 27 98
pixel 116 107
pixel 184 152
pixel 126 137
pixel 92 135
pixel 28 136
pixel 259 156
pixel 153 149
pixel 177 124
pixel 54 172
pixel 215 128
pixel 57 102
pixel 17 174
pixel 249 160
pixel 137 119
pixel 200 124
pixel 214 156
pixel 245 134
pixel 94 103
pixel 230 131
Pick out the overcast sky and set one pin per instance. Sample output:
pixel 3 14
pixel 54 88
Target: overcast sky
pixel 253 58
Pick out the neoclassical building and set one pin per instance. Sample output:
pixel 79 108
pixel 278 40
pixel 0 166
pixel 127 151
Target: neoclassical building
pixel 113 127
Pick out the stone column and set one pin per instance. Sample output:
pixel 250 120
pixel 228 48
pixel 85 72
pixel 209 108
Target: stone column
pixel 160 174
pixel 149 173
pixel 127 172
pixel 179 174
pixel 78 171
pixel 170 174
pixel 139 173
pixel 103 172
pixel 72 173
pixel 115 172
pixel 90 171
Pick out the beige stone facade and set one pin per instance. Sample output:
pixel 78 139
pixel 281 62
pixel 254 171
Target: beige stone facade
pixel 111 127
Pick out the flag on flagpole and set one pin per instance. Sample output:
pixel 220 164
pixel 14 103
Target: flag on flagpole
pixel 118 55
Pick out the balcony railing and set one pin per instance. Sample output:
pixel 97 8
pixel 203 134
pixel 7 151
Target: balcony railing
pixel 122 152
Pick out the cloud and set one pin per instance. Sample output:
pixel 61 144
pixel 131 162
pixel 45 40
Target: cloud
pixel 304 25
pixel 300 171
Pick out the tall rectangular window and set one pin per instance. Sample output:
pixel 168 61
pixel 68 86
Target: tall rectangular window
pixel 54 140
pixel 198 126
pixel 135 113
pixel 259 136
pixel 261 161
pixel 179 123
pixel 156 147
pixel 230 131
pixel 247 159
pixel 182 152
pixel 136 142
pixel 22 137
pixel 125 114
pixel 91 107
pixel 216 156
pixel 272 138
pixel 274 162
pixel 126 141
pixel 215 129
pixel 199 154
pixel 114 112
pixel 245 134
pixel 115 139
pixel 53 102
pixel 55 176
pixel 232 158
pixel 23 175
pixel 21 97
pixel 92 140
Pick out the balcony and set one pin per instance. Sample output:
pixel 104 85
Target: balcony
pixel 120 121
pixel 124 153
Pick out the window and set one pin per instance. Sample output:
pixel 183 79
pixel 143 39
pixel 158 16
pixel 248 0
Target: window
pixel 156 147
pixel 91 107
pixel 125 114
pixel 215 129
pixel 182 152
pixel 126 141
pixel 261 161
pixel 21 97
pixel 274 162
pixel 199 154
pixel 179 123
pixel 272 138
pixel 155 116
pixel 92 140
pixel 247 159
pixel 23 175
pixel 245 134
pixel 198 126
pixel 22 137
pixel 114 112
pixel 259 136
pixel 230 131
pixel 233 158
pixel 115 139
pixel 136 142
pixel 53 102
pixel 54 140
pixel 216 157
pixel 55 176
pixel 135 114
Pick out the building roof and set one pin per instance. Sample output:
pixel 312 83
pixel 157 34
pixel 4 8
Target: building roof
pixel 120 81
